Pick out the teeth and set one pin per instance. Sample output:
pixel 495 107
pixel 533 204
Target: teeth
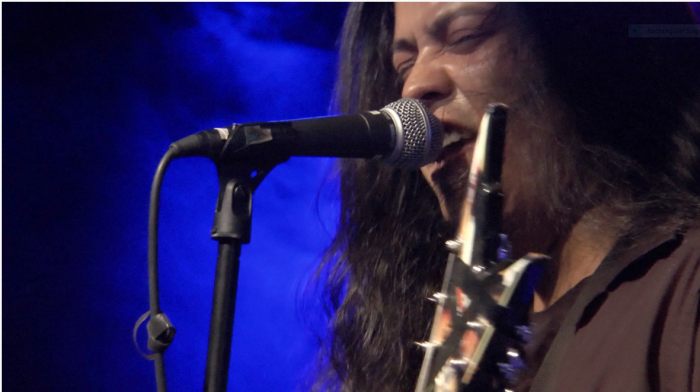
pixel 451 138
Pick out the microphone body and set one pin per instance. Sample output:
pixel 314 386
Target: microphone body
pixel 403 134
pixel 365 135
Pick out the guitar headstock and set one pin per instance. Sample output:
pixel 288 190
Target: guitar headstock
pixel 480 323
pixel 480 327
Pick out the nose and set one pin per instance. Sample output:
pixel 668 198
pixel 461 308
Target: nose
pixel 428 82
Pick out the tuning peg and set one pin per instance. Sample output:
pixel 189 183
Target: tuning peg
pixel 437 297
pixel 480 323
pixel 512 369
pixel 476 325
pixel 524 333
pixel 509 373
pixel 504 247
pixel 426 345
pixel 454 246
pixel 459 364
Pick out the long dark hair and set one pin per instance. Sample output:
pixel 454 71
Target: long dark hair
pixel 633 146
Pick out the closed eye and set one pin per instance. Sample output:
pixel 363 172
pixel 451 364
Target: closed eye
pixel 468 42
pixel 404 52
pixel 404 69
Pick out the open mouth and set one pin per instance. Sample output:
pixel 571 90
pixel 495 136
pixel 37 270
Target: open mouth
pixel 455 146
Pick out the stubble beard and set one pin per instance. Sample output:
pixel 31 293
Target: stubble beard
pixel 452 182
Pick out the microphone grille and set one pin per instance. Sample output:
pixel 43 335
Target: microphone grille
pixel 418 135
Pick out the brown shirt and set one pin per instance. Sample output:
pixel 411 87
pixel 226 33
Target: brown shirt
pixel 631 326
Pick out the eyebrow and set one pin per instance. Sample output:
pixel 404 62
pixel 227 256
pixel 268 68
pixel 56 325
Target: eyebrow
pixel 403 45
pixel 438 26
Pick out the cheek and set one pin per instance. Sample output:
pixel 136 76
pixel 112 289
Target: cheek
pixel 519 184
pixel 526 209
pixel 473 84
pixel 486 75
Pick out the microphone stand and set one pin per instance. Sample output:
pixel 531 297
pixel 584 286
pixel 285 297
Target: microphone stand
pixel 232 222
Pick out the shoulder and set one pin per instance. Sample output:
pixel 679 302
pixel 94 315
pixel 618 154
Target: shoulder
pixel 672 266
pixel 678 345
pixel 639 331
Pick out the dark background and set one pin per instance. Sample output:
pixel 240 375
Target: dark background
pixel 92 95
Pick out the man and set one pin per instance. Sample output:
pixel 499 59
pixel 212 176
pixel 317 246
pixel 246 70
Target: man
pixel 601 172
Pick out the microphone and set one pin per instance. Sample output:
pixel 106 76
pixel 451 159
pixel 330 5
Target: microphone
pixel 403 134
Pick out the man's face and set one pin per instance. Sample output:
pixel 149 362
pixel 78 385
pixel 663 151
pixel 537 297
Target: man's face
pixel 457 58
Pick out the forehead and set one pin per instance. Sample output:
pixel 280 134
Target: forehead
pixel 414 18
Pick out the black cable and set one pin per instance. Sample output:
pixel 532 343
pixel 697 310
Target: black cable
pixel 155 312
pixel 160 329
